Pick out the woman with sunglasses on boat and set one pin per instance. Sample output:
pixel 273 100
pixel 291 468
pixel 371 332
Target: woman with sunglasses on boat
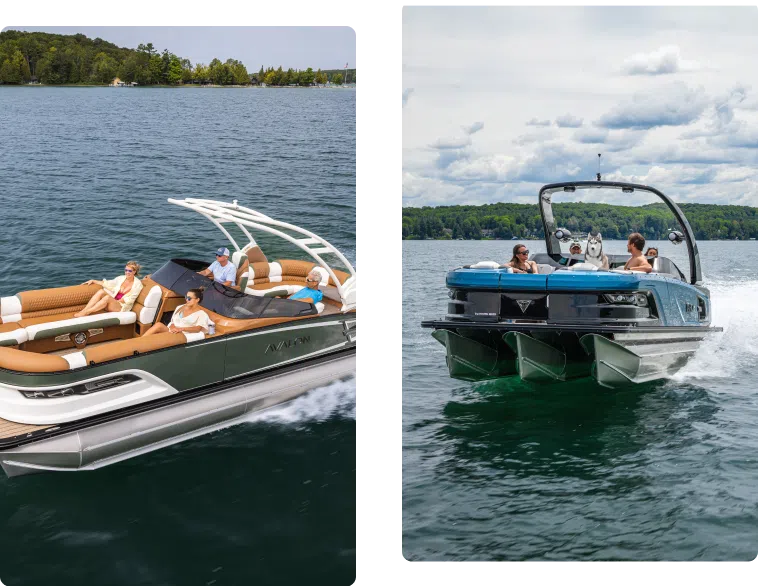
pixel 188 318
pixel 520 263
pixel 118 294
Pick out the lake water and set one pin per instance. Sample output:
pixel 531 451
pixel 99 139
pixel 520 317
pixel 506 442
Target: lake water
pixel 85 174
pixel 503 471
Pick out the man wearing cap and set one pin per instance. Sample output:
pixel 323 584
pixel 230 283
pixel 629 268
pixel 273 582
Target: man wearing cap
pixel 222 270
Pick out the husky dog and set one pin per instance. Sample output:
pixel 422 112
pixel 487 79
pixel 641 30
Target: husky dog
pixel 594 252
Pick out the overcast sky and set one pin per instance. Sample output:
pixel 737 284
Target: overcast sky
pixel 296 47
pixel 499 101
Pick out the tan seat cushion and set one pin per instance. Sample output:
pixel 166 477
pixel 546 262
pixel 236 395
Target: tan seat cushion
pixel 21 361
pixel 12 335
pixel 125 348
pixel 43 299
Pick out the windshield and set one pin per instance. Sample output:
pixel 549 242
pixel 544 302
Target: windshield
pixel 180 275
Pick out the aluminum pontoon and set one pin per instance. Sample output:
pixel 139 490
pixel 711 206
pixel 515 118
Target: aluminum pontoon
pixel 572 319
pixel 81 393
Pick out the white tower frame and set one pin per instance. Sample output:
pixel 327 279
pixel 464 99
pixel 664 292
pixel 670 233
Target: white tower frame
pixel 219 213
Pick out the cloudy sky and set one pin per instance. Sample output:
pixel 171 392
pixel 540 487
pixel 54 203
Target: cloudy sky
pixel 296 47
pixel 499 101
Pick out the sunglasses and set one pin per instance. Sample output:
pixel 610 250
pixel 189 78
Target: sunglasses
pixel 312 280
pixel 219 255
pixel 128 270
pixel 523 252
pixel 188 298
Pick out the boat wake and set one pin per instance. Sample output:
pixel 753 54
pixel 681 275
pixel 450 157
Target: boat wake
pixel 336 399
pixel 734 351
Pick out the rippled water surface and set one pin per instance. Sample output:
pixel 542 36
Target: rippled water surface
pixel 504 471
pixel 84 178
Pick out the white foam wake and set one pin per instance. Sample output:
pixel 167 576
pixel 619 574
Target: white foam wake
pixel 336 399
pixel 735 350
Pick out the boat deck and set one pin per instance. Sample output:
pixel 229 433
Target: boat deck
pixel 13 429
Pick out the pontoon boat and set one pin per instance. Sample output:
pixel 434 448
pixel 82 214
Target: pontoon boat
pixel 80 393
pixel 573 319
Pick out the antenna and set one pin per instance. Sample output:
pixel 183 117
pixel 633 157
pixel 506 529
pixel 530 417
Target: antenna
pixel 598 166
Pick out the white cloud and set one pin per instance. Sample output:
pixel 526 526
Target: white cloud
pixel 473 128
pixel 675 105
pixel 456 142
pixel 591 135
pixel 513 67
pixel 568 121
pixel 662 61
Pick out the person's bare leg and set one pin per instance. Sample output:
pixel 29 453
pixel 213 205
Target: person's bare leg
pixel 99 306
pixel 96 298
pixel 158 328
pixel 113 305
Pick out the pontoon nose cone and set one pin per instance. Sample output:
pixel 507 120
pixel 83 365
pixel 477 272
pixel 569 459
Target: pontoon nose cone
pixel 614 365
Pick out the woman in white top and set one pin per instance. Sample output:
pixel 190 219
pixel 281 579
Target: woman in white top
pixel 188 318
pixel 116 295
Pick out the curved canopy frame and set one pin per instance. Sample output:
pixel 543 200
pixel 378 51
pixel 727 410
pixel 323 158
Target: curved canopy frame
pixel 219 213
pixel 548 221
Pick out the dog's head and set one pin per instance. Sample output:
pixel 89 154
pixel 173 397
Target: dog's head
pixel 594 246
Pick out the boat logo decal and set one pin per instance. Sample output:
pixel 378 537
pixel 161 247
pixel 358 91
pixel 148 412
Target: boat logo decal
pixel 80 338
pixel 524 304
pixel 287 344
pixel 63 338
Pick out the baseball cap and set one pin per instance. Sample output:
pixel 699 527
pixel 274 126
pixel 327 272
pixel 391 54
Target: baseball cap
pixel 222 252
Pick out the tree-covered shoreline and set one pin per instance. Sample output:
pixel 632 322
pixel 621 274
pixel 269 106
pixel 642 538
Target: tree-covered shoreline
pixel 76 60
pixel 508 220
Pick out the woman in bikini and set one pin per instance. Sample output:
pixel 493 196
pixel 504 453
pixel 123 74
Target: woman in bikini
pixel 189 318
pixel 116 295
pixel 519 262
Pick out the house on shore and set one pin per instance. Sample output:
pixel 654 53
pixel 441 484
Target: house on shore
pixel 118 83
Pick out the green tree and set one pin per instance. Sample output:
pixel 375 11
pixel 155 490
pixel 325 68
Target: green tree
pixel 186 71
pixel 337 79
pixel 155 69
pixel 104 68
pixel 201 73
pixel 307 77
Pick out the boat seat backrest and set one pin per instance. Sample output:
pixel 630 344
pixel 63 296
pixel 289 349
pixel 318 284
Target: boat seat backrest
pixel 545 269
pixel 665 266
pixel 291 271
pixel 148 301
pixel 45 302
pixel 241 263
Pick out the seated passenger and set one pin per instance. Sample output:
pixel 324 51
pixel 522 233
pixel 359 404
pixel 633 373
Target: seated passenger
pixel 308 294
pixel 634 246
pixel 116 295
pixel 576 248
pixel 223 271
pixel 189 318
pixel 652 251
pixel 519 262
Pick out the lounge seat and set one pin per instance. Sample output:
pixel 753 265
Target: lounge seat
pixel 12 335
pixel 122 349
pixel 77 324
